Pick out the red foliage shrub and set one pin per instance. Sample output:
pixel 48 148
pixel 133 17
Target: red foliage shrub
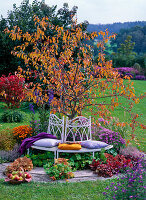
pixel 95 164
pixel 12 90
pixel 112 165
pixel 104 170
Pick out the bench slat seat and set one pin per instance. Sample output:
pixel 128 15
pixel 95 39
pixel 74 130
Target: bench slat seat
pixel 82 150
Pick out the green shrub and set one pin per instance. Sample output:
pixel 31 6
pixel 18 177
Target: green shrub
pixel 77 161
pixel 60 170
pixel 43 118
pixel 40 159
pixel 3 160
pixel 11 116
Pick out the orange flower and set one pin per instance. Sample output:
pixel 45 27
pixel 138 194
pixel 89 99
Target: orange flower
pixel 22 132
pixel 128 141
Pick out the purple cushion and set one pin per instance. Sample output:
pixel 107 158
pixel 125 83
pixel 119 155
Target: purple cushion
pixel 92 144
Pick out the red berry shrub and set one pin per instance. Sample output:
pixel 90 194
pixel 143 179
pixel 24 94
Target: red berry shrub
pixel 12 90
pixel 112 165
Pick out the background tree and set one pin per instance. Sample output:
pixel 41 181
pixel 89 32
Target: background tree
pixel 8 62
pixel 125 54
pixel 137 30
pixel 116 27
pixel 22 17
pixel 138 34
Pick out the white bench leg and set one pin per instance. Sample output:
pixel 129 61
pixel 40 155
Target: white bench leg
pixel 28 151
pixel 57 154
pixel 93 154
pixel 54 156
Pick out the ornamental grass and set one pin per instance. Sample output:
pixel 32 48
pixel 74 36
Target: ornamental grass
pixel 7 140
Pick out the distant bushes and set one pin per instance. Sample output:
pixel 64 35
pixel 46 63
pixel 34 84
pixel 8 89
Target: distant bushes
pixel 126 71
pixel 120 61
pixel 11 116
pixel 132 72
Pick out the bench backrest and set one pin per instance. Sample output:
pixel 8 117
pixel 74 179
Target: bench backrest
pixel 77 129
pixel 56 126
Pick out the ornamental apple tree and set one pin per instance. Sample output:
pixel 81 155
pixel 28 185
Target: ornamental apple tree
pixel 63 64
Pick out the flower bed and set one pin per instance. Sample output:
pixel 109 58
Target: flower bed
pixel 111 137
pixel 124 71
pixel 130 186
pixel 22 132
pixel 111 132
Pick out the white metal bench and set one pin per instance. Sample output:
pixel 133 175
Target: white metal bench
pixel 76 130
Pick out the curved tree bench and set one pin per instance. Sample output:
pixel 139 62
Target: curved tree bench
pixel 76 130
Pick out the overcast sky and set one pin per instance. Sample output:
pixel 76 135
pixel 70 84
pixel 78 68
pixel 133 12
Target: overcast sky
pixel 95 11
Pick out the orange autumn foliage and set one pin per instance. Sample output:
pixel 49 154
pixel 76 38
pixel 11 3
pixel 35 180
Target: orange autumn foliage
pixel 69 73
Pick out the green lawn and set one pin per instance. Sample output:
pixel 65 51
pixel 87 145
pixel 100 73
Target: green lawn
pixel 91 190
pixel 140 108
pixel 140 88
pixel 27 119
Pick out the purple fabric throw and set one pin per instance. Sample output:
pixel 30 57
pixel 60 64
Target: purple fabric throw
pixel 28 142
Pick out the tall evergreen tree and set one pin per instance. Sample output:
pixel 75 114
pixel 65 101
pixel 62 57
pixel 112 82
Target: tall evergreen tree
pixel 125 55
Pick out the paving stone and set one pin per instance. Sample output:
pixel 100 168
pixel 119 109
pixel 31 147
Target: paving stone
pixel 39 175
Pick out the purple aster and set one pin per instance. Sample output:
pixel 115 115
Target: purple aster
pixel 31 107
pixel 51 96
